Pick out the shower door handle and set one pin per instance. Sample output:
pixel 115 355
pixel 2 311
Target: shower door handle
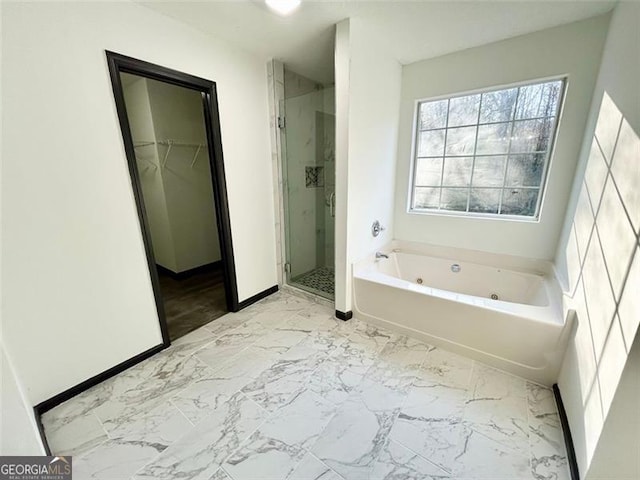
pixel 332 204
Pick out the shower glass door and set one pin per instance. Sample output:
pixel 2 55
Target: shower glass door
pixel 308 170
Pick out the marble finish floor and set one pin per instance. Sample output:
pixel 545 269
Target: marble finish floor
pixel 282 390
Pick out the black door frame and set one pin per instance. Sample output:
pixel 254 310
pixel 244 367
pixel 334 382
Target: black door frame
pixel 122 64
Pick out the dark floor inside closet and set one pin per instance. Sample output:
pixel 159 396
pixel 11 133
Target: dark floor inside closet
pixel 192 300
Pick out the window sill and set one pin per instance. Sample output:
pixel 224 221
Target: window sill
pixel 475 216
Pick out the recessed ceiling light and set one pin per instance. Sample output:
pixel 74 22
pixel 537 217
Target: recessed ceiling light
pixel 283 7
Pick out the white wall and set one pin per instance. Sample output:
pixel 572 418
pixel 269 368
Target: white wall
pixel 18 430
pixel 374 96
pixel 599 258
pixel 572 50
pixel 136 97
pixel 342 77
pixel 618 453
pixel 76 297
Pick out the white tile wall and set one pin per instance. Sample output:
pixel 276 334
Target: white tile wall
pixel 599 376
pixel 626 171
pixel 617 236
pixel 605 261
pixel 600 301
pixel 596 173
pixel 630 303
pixel 583 223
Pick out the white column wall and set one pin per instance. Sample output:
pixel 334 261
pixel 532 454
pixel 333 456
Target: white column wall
pixel 599 259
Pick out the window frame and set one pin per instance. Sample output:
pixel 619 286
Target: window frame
pixel 564 78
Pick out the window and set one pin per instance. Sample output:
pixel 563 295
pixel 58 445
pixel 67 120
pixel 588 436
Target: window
pixel 485 153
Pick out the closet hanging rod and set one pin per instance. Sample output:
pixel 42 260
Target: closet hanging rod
pixel 195 156
pixel 142 144
pixel 181 144
pixel 166 155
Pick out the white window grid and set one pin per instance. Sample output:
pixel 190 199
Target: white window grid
pixel 503 187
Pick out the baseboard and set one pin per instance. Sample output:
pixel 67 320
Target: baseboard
pixel 257 297
pixel 344 315
pixel 568 441
pixel 43 437
pixel 192 271
pixel 93 381
pixel 56 400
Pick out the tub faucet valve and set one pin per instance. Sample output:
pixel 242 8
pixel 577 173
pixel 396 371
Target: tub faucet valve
pixel 381 255
pixel 376 228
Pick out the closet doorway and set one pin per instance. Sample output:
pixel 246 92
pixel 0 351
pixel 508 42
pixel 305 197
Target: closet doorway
pixel 170 127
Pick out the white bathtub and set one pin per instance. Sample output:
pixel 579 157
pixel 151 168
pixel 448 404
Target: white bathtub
pixel 523 331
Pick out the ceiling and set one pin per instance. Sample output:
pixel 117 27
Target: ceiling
pixel 412 30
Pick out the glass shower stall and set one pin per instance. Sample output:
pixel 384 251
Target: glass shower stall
pixel 307 128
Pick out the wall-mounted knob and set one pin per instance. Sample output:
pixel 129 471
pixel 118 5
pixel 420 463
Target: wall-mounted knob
pixel 376 228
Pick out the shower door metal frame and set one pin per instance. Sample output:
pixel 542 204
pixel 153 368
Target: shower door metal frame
pixel 284 191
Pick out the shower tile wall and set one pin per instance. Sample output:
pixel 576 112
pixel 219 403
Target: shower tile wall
pixel 326 154
pixel 330 167
pixel 306 220
pixel 296 85
pixel 309 134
